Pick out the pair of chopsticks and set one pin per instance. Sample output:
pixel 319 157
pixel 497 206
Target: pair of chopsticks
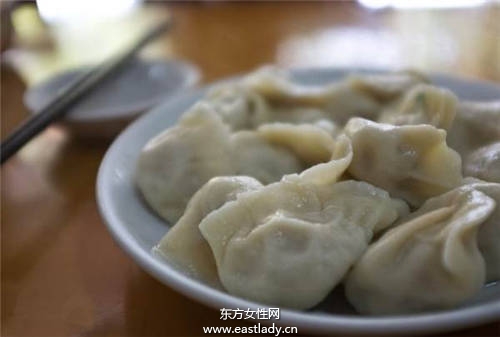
pixel 60 104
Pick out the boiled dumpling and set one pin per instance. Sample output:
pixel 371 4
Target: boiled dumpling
pixel 239 107
pixel 424 104
pixel 183 244
pixel 476 124
pixel 429 261
pixel 267 162
pixel 329 126
pixel 289 243
pixel 260 176
pixel 339 101
pixel 244 109
pixel 331 171
pixel 276 149
pixel 310 143
pixel 411 162
pixel 386 87
pixel 175 164
pixel 328 158
pixel 270 95
pixel 282 148
pixel 484 163
pixel 278 86
pixel 489 233
pixel 300 115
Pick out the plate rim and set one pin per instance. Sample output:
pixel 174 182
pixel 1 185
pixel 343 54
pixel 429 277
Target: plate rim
pixel 191 77
pixel 310 321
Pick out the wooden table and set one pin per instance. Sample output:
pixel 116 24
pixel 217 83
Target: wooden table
pixel 62 274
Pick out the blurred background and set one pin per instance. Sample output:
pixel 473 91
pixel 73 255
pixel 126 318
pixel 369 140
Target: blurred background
pixel 46 37
pixel 61 272
pixel 457 36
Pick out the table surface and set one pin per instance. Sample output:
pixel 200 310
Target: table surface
pixel 62 274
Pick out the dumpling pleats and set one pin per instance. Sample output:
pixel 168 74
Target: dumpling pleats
pixel 290 243
pixel 412 162
pixel 183 245
pixel 429 261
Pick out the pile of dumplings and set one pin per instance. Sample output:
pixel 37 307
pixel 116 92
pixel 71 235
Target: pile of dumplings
pixel 384 184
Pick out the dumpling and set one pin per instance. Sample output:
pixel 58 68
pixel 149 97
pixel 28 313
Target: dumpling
pixel 429 261
pixel 411 162
pixel 242 108
pixel 329 126
pixel 175 164
pixel 339 100
pixel 239 107
pixel 255 156
pixel 331 171
pixel 424 104
pixel 270 95
pixel 484 163
pixel 328 158
pixel 386 87
pixel 298 115
pixel 313 148
pixel 289 243
pixel 311 143
pixel 489 233
pixel 476 124
pixel 260 180
pixel 277 86
pixel 183 244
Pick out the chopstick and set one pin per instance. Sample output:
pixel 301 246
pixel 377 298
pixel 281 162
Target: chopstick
pixel 69 96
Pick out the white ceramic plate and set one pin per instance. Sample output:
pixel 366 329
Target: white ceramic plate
pixel 141 85
pixel 137 229
pixel 119 99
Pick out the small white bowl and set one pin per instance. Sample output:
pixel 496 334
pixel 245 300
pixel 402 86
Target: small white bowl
pixel 119 99
pixel 137 229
